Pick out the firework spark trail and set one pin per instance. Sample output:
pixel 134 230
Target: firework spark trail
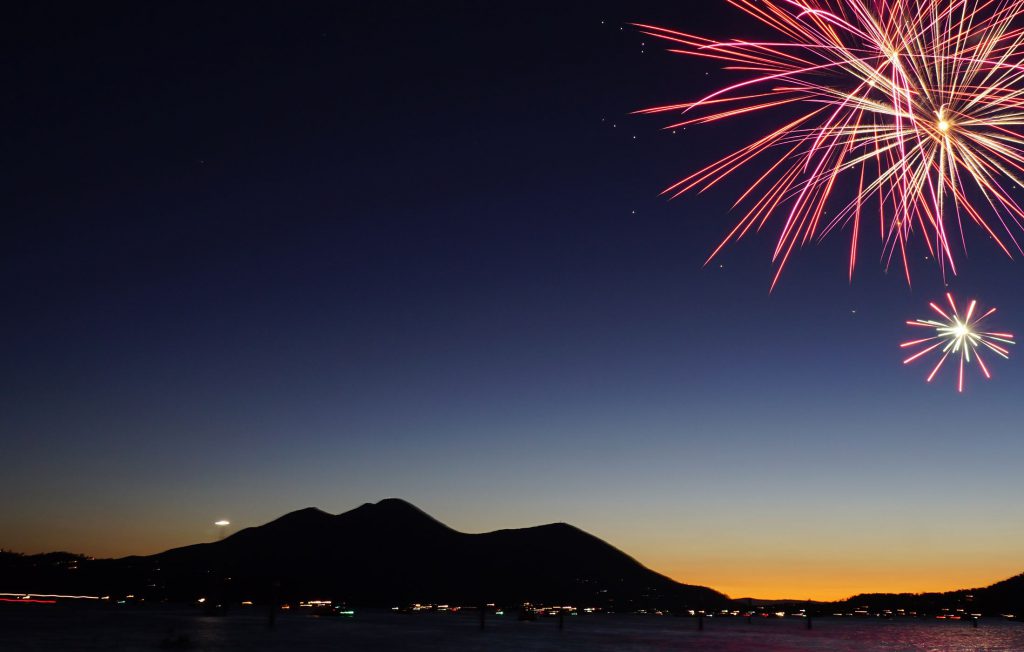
pixel 922 101
pixel 960 337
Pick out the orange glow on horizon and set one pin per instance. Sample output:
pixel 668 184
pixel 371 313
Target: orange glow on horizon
pixel 787 580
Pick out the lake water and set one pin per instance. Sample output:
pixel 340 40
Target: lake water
pixel 74 629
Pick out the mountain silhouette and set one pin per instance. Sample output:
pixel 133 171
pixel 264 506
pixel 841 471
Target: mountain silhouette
pixel 391 552
pixel 1003 597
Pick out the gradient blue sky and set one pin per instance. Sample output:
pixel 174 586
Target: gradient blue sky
pixel 265 259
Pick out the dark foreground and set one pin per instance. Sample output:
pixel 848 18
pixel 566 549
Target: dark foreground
pixel 63 628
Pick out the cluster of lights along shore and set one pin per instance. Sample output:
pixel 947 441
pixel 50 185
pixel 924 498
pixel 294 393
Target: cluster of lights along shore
pixel 322 607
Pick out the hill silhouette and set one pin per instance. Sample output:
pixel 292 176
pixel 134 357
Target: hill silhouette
pixel 391 552
pixel 1003 597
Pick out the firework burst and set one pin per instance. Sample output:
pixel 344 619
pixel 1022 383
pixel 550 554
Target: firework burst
pixel 912 109
pixel 960 337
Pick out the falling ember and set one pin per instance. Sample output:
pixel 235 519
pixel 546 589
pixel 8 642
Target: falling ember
pixel 909 111
pixel 958 336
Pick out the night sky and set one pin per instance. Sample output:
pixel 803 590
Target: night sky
pixel 263 256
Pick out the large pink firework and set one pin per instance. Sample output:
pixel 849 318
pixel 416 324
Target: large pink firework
pixel 959 336
pixel 915 106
